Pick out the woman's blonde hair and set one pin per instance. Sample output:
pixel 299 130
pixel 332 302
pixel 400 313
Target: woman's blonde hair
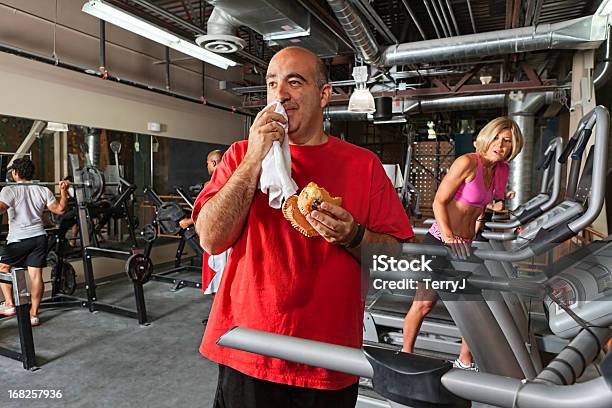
pixel 492 129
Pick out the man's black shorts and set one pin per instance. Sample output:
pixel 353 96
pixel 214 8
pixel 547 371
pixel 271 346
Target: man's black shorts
pixel 238 390
pixel 27 252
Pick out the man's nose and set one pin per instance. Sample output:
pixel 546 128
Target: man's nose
pixel 282 92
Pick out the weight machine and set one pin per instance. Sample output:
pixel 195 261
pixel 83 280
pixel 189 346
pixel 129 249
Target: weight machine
pixel 89 183
pixel 167 217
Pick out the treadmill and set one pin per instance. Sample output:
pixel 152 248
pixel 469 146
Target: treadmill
pixel 550 189
pixel 385 310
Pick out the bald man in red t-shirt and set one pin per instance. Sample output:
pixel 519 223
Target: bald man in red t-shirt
pixel 276 279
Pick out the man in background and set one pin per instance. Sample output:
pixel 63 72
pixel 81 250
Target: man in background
pixel 212 266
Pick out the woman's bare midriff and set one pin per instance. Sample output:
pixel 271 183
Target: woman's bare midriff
pixel 462 219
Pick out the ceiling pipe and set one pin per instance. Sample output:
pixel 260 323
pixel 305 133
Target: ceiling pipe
pixel 342 114
pixel 317 11
pixel 469 6
pixel 414 107
pixel 456 103
pixel 357 31
pixel 221 33
pixel 452 14
pixel 444 29
pixel 446 22
pixel 581 33
pixel 523 110
pixel 219 22
pixel 372 16
pixel 433 22
pixel 414 19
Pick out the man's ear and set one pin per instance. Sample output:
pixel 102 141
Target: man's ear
pixel 326 91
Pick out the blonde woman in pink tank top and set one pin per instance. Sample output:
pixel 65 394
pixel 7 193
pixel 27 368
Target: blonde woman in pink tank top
pixel 472 182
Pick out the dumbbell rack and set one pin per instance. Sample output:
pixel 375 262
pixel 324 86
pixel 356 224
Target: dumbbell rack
pixel 88 253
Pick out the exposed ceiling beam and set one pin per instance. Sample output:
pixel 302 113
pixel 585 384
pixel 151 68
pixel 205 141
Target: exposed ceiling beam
pixel 189 16
pixel 536 13
pixel 516 13
pixel 475 89
pixel 414 19
pixel 469 6
pixel 509 7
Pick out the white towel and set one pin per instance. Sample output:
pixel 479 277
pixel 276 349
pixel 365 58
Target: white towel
pixel 275 179
pixel 217 264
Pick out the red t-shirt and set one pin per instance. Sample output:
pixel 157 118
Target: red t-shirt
pixel 279 281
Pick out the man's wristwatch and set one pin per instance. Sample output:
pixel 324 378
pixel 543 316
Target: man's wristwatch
pixel 357 238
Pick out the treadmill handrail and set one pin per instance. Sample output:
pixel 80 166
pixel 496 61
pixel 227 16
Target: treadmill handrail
pixel 555 145
pixel 486 388
pixel 498 236
pixel 596 201
pixel 587 121
pixel 560 233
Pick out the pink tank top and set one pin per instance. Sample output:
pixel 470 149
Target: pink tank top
pixel 476 194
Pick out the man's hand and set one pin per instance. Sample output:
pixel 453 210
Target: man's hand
pixel 185 223
pixel 64 185
pixel 264 130
pixel 339 228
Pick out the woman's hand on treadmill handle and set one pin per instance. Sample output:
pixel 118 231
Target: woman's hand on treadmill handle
pixel 459 248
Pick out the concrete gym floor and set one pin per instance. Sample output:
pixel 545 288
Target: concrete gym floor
pixel 107 360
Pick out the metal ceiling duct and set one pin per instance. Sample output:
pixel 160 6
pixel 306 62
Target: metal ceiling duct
pixel 357 31
pixel 92 140
pixel 413 107
pixel 342 114
pixel 281 23
pixel 523 112
pixel 457 103
pixel 221 33
pixel 581 33
pixel 320 41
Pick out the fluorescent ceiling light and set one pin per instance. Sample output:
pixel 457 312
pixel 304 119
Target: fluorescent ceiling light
pixel 56 127
pixel 145 29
